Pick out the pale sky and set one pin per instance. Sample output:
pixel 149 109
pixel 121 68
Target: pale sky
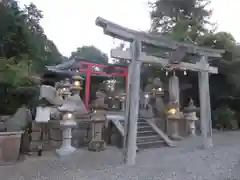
pixel 71 24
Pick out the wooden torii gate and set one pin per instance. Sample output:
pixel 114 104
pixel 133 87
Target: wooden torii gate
pixel 137 57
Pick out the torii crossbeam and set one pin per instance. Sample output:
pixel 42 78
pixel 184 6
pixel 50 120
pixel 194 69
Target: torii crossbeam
pixel 119 54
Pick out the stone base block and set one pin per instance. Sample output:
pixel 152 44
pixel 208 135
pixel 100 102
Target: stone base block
pixel 97 145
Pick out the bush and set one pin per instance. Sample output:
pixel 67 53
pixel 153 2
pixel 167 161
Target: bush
pixel 223 117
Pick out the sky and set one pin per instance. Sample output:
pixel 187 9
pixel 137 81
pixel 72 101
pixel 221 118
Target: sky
pixel 71 24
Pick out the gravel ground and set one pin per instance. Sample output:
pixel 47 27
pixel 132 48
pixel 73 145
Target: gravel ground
pixel 186 162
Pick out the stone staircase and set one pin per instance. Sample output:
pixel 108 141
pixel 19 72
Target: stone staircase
pixel 147 137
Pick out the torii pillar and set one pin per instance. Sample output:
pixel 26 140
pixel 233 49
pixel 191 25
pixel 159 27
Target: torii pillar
pixel 205 106
pixel 132 104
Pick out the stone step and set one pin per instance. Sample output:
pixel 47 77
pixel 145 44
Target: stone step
pixel 146 133
pixel 142 123
pixel 150 144
pixel 145 128
pixel 148 138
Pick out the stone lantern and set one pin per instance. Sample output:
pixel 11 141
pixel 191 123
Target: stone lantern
pixel 174 115
pixel 153 90
pixel 190 116
pixel 63 88
pixel 122 97
pixel 66 124
pixel 76 85
pixel 98 120
pixel 67 121
pixel 157 89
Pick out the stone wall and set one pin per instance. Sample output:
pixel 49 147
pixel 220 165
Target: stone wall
pixel 52 135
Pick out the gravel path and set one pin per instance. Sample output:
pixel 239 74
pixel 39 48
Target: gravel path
pixel 186 162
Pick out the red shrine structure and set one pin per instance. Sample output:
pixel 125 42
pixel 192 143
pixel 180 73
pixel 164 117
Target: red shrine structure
pixel 87 69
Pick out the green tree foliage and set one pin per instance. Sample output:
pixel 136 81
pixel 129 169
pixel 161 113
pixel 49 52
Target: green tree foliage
pixel 188 20
pixel 90 53
pixel 224 117
pixel 22 40
pixel 24 51
pixel 184 20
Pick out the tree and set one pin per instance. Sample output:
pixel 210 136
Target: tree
pixel 41 48
pixel 90 53
pixel 22 38
pixel 183 20
pixel 24 51
pixel 187 20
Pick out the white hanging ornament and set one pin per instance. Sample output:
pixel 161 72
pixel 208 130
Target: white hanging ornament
pixel 185 72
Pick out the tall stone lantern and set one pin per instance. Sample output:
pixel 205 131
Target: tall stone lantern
pixel 67 121
pixel 98 120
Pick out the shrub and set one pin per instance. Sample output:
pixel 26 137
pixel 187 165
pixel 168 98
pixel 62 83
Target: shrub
pixel 223 116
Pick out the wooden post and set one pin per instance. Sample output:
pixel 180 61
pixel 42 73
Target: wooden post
pixel 205 107
pixel 133 104
pixel 87 86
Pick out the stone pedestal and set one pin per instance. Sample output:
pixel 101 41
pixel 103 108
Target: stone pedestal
pixel 66 147
pixel 174 135
pixel 173 121
pixel 192 127
pixel 98 119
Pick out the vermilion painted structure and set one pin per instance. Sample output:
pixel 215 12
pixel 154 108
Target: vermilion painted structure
pixel 88 68
pixel 98 69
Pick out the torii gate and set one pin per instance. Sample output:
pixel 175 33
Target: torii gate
pixel 137 57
